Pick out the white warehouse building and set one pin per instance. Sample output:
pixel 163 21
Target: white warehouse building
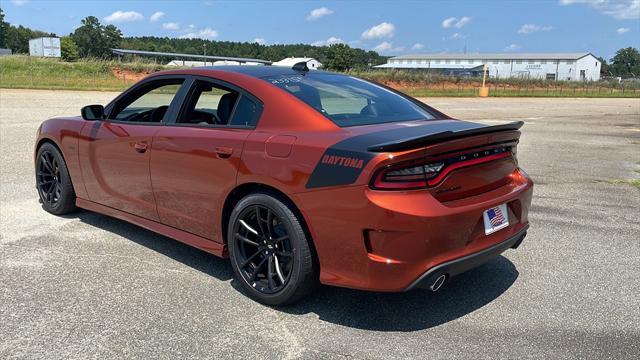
pixel 550 66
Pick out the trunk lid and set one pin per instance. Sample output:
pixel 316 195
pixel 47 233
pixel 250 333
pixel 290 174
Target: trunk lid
pixel 472 158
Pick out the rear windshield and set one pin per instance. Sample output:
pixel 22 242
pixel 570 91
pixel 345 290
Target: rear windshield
pixel 349 101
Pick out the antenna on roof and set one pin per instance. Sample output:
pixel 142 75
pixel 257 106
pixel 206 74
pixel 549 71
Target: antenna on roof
pixel 301 66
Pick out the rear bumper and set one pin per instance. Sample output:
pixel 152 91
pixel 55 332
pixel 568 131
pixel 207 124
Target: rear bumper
pixel 458 266
pixel 385 240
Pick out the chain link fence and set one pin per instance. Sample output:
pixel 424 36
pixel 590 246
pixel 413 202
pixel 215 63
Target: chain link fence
pixel 549 90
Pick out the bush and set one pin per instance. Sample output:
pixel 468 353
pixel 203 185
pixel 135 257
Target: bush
pixel 69 49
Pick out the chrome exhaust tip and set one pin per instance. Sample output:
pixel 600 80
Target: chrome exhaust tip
pixel 438 282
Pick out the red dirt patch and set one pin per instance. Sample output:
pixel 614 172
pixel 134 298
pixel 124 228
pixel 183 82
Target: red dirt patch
pixel 128 75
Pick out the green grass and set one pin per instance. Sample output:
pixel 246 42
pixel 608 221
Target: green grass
pixel 20 71
pixel 421 78
pixel 522 93
pixel 632 182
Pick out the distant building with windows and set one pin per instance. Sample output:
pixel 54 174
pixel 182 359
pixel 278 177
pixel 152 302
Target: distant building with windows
pixel 550 66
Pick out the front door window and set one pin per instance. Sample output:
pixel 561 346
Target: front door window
pixel 147 105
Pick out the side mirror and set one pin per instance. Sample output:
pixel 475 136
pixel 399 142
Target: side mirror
pixel 93 112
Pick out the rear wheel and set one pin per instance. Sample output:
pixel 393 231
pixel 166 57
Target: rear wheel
pixel 269 250
pixel 53 181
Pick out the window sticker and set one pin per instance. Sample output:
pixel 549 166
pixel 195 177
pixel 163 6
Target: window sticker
pixel 287 80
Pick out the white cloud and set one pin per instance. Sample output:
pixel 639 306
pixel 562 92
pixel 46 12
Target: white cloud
pixel 417 46
pixel 316 14
pixel 387 47
pixel 454 36
pixel 383 47
pixel 206 33
pixel 448 22
pixel 124 16
pixel 171 26
pixel 157 16
pixel 618 9
pixel 531 28
pixel 623 30
pixel 380 31
pixel 330 41
pixel 260 41
pixel 463 21
pixel 19 2
pixel 455 22
pixel 334 40
pixel 512 47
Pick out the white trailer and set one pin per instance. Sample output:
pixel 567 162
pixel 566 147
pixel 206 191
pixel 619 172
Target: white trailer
pixel 45 47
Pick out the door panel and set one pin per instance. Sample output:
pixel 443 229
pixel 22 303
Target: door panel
pixel 115 166
pixel 192 170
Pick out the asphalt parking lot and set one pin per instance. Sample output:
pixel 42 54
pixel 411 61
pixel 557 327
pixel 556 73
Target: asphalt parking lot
pixel 89 286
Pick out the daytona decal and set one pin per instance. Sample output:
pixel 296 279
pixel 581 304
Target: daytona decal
pixel 343 161
pixel 338 167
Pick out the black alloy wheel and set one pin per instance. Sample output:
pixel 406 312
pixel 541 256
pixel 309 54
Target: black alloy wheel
pixel 269 250
pixel 263 249
pixel 48 177
pixel 53 181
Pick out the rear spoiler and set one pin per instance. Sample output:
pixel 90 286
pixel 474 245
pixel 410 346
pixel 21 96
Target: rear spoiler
pixel 430 139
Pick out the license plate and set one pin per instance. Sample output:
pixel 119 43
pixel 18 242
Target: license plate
pixel 495 219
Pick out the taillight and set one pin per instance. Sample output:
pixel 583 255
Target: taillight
pixel 407 178
pixel 416 175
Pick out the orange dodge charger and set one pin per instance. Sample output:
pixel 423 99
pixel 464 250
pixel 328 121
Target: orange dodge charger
pixel 297 176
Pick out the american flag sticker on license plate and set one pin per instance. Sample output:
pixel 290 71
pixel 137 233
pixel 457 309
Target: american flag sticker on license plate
pixel 495 219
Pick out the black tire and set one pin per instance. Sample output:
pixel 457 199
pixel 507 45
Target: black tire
pixel 53 181
pixel 258 242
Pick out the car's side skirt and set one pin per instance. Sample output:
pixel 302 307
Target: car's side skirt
pixel 196 241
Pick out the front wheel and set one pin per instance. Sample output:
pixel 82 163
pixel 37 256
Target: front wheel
pixel 270 253
pixel 53 181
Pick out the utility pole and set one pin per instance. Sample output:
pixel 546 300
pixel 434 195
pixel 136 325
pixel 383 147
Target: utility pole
pixel 204 47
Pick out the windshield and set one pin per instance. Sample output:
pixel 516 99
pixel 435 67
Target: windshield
pixel 349 101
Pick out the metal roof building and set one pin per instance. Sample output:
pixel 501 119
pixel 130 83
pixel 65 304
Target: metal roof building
pixel 205 58
pixel 551 66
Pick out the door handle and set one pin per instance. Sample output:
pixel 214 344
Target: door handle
pixel 141 146
pixel 224 152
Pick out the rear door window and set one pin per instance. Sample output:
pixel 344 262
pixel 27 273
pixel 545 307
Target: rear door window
pixel 212 104
pixel 246 113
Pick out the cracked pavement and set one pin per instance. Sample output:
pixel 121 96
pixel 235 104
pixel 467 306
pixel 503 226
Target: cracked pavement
pixel 89 286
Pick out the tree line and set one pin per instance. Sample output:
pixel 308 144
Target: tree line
pixel 95 40
pixel 339 57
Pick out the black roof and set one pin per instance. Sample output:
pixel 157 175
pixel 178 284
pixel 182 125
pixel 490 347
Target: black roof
pixel 258 71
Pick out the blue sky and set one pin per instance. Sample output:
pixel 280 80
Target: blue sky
pixel 389 27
